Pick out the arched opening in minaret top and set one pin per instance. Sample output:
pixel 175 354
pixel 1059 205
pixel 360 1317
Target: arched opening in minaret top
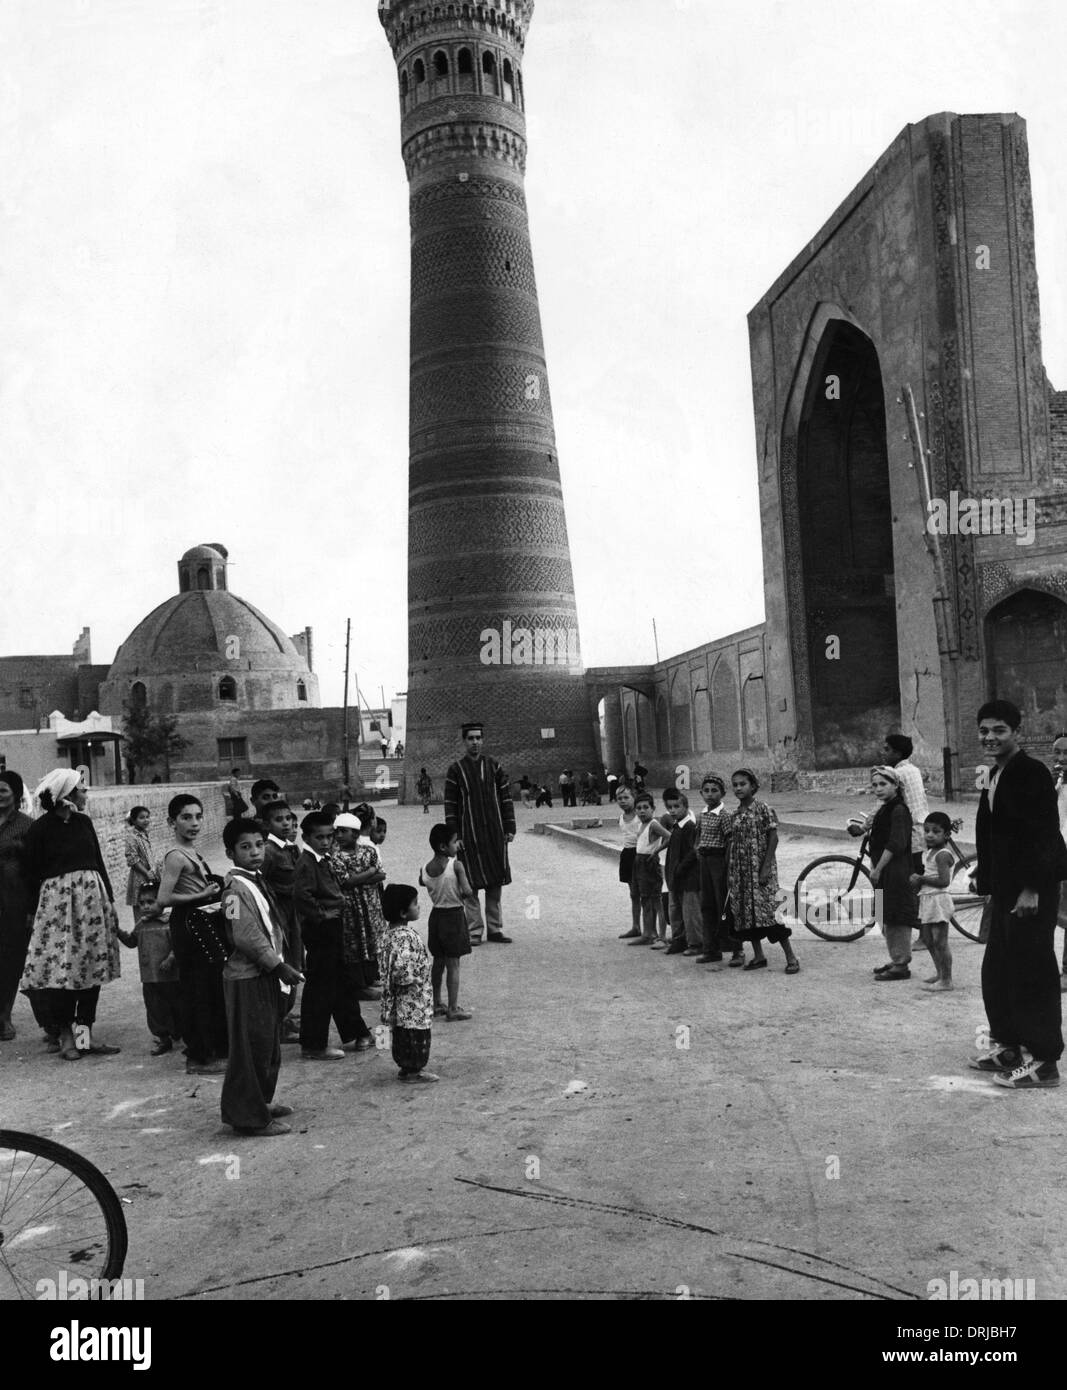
pixel 465 70
pixel 420 71
pixel 489 83
pixel 509 81
pixel 440 63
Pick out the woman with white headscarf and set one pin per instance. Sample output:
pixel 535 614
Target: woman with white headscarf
pixel 74 946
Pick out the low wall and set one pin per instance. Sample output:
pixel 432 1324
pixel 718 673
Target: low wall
pixel 109 807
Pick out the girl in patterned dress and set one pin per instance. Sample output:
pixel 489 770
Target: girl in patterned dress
pixel 752 874
pixel 407 994
pixel 74 948
pixel 356 870
pixel 138 849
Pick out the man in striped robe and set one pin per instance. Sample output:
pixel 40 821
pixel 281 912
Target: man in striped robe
pixel 478 807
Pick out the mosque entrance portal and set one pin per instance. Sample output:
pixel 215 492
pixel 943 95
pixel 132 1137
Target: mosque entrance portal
pixel 845 527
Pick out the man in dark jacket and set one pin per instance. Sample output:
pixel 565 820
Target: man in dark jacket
pixel 681 871
pixel 1021 858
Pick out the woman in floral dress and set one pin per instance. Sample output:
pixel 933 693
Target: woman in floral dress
pixel 74 947
pixel 752 874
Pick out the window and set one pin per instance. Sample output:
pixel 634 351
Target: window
pixel 203 577
pixel 509 81
pixel 138 695
pixel 420 71
pixel 488 63
pixel 301 690
pixel 25 697
pixel 227 688
pixel 233 750
pixel 464 62
pixel 440 64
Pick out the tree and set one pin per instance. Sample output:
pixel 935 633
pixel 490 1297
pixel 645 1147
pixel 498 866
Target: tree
pixel 149 738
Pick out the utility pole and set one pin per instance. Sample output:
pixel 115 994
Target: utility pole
pixel 655 638
pixel 348 645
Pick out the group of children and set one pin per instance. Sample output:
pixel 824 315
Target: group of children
pixel 294 937
pixel 720 874
pixel 717 885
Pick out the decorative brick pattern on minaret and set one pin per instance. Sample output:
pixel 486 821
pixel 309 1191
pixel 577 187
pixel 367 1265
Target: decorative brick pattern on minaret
pixel 487 542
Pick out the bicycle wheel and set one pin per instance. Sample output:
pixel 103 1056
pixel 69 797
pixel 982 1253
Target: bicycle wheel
pixel 834 898
pixel 58 1215
pixel 967 905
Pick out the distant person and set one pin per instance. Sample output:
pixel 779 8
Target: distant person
pixel 640 773
pixel 424 787
pixel 398 751
pixel 567 788
pixel 479 808
pixel 1021 863
pixel 543 797
pixel 525 788
pixel 236 805
pixel 613 784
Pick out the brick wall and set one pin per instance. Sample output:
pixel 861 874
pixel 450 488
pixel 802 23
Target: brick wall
pixel 109 807
pixel 50 683
pixel 1057 409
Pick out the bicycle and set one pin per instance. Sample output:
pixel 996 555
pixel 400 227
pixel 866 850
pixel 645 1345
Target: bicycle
pixel 57 1213
pixel 834 892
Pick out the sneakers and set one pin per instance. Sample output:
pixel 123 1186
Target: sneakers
pixel 326 1054
pixel 996 1058
pixel 1029 1075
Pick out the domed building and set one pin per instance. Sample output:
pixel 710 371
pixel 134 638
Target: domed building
pixel 244 694
pixel 206 649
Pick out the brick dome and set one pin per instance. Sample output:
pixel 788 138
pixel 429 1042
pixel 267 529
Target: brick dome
pixel 205 648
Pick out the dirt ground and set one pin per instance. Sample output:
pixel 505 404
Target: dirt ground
pixel 611 1124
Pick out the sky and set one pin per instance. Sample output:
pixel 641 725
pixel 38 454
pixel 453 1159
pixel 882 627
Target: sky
pixel 204 289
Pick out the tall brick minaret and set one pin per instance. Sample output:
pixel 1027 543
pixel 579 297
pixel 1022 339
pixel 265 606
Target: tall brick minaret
pixel 492 625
